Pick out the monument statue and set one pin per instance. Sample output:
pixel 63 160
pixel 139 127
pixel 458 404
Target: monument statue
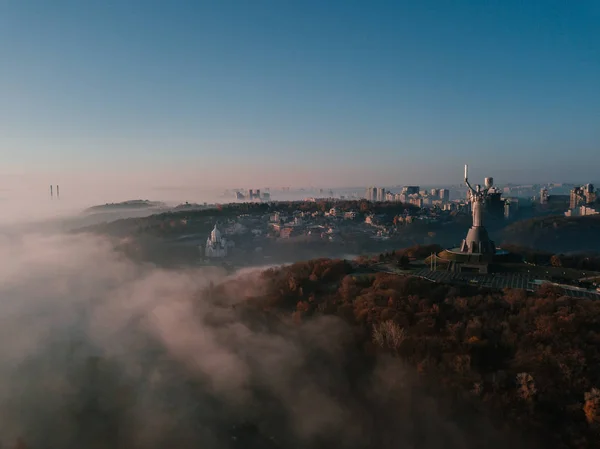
pixel 477 240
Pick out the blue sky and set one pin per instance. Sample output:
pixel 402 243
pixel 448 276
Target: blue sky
pixel 301 92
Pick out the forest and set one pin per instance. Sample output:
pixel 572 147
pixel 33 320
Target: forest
pixel 556 233
pixel 532 361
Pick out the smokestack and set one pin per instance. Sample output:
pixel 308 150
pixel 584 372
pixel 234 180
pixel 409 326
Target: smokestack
pixel 51 194
pixel 57 192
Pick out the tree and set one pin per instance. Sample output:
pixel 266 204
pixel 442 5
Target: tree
pixel 556 261
pixel 526 386
pixel 403 261
pixel 591 408
pixel 388 335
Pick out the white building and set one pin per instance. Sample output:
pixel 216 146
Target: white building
pixel 216 246
pixel 371 194
pixel 581 211
pixel 445 195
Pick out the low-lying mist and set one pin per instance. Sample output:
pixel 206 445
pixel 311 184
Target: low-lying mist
pixel 99 352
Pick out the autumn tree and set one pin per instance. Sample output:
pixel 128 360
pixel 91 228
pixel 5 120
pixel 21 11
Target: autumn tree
pixel 388 335
pixel 526 386
pixel 591 407
pixel 556 261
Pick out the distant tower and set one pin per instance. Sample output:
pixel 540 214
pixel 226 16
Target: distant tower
pixel 477 240
pixel 51 194
pixel 57 191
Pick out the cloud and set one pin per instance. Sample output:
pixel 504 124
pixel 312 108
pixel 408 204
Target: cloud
pixel 99 352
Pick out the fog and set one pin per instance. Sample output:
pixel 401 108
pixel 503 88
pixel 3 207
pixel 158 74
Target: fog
pixel 99 352
pixel 29 201
pixel 32 202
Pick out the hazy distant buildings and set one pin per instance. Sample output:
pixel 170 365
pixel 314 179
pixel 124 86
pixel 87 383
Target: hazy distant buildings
pixel 581 196
pixel 371 193
pixel 375 194
pixel 580 211
pixel 409 194
pixel 252 195
pixel 544 196
pixel 410 190
pixel 416 201
pixel 444 195
pixel 511 206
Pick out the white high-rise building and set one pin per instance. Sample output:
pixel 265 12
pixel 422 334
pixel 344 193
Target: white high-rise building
pixel 371 193
pixel 444 195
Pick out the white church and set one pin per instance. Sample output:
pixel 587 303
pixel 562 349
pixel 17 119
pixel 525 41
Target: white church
pixel 216 246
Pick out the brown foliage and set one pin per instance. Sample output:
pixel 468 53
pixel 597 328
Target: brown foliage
pixel 534 358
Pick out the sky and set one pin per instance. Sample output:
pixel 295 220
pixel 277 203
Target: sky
pixel 215 94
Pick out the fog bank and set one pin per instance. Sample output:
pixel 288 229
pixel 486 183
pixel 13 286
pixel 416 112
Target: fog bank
pixel 98 352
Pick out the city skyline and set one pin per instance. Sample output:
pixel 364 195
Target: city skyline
pixel 210 95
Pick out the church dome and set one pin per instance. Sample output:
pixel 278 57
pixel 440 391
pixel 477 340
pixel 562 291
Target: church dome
pixel 215 235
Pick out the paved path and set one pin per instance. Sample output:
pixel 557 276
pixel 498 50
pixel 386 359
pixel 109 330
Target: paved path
pixel 494 280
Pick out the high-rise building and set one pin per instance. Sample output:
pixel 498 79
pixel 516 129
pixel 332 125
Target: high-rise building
pixel 445 195
pixel 416 201
pixel 511 206
pixel 494 204
pixel 544 196
pixel 371 193
pixel 410 190
pixel 580 196
pixel 435 193
pixel 380 194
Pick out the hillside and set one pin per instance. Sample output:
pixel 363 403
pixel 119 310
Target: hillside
pixel 556 233
pixel 131 204
pixel 531 361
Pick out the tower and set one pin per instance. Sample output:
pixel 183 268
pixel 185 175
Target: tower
pixel 51 194
pixel 477 240
pixel 57 191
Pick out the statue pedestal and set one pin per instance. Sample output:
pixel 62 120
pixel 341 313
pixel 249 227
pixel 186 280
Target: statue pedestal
pixel 478 242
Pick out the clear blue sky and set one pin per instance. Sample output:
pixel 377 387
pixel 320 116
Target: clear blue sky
pixel 395 92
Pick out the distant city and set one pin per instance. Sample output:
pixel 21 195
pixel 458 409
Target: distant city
pixel 503 200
